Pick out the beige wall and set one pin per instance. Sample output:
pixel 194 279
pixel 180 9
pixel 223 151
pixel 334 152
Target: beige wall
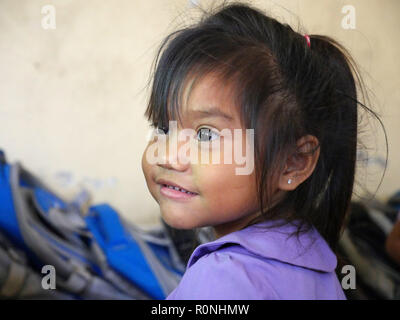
pixel 72 99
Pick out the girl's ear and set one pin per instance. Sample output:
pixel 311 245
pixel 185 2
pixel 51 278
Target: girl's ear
pixel 301 164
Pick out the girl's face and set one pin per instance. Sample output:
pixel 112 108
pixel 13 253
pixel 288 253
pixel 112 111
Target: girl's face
pixel 218 196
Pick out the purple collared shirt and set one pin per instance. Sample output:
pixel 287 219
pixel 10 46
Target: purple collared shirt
pixel 252 264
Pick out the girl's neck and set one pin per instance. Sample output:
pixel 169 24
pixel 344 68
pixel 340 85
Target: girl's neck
pixel 229 227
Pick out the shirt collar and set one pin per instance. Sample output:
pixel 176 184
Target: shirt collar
pixel 309 250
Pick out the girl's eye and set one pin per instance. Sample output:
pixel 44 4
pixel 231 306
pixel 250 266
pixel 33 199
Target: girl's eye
pixel 161 130
pixel 206 134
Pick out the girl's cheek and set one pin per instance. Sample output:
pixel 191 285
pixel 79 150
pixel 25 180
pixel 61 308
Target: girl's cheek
pixel 196 174
pixel 146 166
pixel 144 162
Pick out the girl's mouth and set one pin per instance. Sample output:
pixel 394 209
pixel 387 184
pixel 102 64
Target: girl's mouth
pixel 175 192
pixel 178 189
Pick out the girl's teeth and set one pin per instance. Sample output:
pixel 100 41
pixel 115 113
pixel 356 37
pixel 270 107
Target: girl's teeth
pixel 178 189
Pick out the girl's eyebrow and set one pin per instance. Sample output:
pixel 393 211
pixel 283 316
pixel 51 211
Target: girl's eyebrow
pixel 210 112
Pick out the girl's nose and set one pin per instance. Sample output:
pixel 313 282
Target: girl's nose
pixel 171 158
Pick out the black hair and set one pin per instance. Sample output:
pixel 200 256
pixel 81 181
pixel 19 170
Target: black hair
pixel 285 90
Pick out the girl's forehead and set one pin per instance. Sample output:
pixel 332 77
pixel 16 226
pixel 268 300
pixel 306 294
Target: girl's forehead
pixel 209 95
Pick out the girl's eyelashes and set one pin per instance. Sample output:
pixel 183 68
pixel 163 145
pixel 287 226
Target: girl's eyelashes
pixel 206 134
pixel 203 134
pixel 161 129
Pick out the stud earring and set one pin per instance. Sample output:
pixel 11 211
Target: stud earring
pixel 289 181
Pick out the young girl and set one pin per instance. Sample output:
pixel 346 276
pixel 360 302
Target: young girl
pixel 278 226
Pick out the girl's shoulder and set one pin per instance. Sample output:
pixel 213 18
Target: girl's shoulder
pixel 307 250
pixel 247 264
pixel 222 274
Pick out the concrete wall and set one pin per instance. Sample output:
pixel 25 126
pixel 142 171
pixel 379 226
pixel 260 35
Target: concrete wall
pixel 72 98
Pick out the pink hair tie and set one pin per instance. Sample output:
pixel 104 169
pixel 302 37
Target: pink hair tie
pixel 308 40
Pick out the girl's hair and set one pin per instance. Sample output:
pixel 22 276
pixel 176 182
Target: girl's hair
pixel 285 90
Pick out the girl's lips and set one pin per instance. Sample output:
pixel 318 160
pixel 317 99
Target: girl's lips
pixel 175 194
pixel 174 185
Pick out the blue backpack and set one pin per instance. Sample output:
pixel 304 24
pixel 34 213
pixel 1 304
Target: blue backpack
pixel 94 252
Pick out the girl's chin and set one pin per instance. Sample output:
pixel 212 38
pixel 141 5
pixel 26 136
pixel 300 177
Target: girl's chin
pixel 180 223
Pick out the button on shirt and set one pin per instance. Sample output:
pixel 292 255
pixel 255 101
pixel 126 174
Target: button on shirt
pixel 252 264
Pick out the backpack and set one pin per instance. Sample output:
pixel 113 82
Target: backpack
pixel 363 245
pixel 93 251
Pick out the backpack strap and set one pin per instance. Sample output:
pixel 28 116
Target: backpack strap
pixel 14 281
pixel 76 279
pixel 13 271
pixel 128 254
